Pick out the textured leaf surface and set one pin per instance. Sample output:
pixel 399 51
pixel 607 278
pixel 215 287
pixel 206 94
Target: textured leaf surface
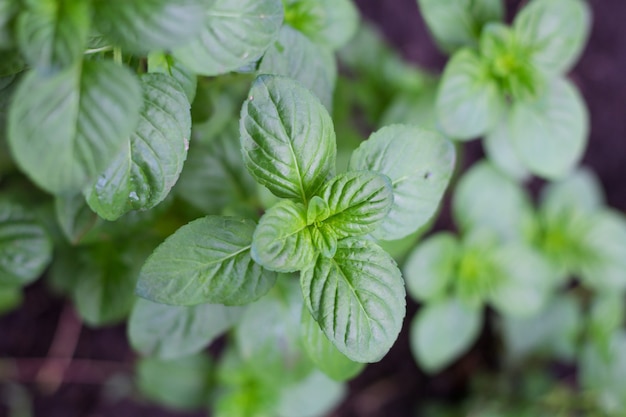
pixel 357 298
pixel 142 174
pixel 168 65
pixel 550 133
pixel 86 114
pixel 52 34
pixel 287 138
pixel 457 23
pixel 469 102
pixel 205 261
pixel 145 25
pixel 419 164
pixel 169 332
pixel 25 248
pixel 556 32
pixel 323 353
pixel 234 33
pixel 441 332
pixel 296 56
pixel 282 240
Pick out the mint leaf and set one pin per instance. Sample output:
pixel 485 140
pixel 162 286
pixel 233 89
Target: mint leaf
pixel 323 353
pixel 282 240
pixel 469 102
pixel 52 34
pixel 555 31
pixel 170 332
pixel 205 261
pixel 142 174
pixel 296 56
pixel 25 247
pixel 10 298
pixel 442 331
pixel 86 113
pixel 74 217
pixel 358 201
pixel 419 164
pixel 430 269
pixel 8 11
pixel 146 25
pixel 550 133
pixel 287 138
pixel 580 192
pixel 457 23
pixel 357 298
pixel 168 65
pixel 314 396
pixel 234 33
pixel 501 153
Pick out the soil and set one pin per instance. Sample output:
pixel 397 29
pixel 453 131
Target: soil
pixel 394 386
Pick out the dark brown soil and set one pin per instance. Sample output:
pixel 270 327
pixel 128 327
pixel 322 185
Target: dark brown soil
pixel 395 386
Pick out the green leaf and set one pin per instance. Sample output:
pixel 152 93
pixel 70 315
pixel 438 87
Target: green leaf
pixel 74 216
pixel 501 153
pixel 287 138
pixel 485 199
pixel 296 56
pixel 25 247
pixel 357 298
pixel 85 113
pixel 550 133
pixel 8 10
pixel 168 65
pixel 324 240
pixel 606 317
pixel 419 164
pixel 142 174
pixel 358 201
pixel 268 336
pixel 413 108
pixel 469 103
pixel 11 63
pixel 180 384
pixel 235 33
pixel 10 298
pixel 443 331
pixel 282 240
pixel 579 192
pixel 457 23
pixel 205 261
pixel 431 267
pixel 214 178
pixel 170 332
pixel 314 396
pixel 555 30
pixel 146 25
pixel 324 354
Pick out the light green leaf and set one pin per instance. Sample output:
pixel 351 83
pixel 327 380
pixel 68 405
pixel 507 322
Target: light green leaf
pixel 443 331
pixel 469 102
pixel 579 192
pixel 296 56
pixel 180 384
pixel 555 30
pixel 357 298
pixel 358 201
pixel 317 210
pixel 324 240
pixel 485 199
pixel 313 397
pixel 419 164
pixel 168 65
pixel 606 317
pixel 550 133
pixel 268 336
pixel 235 33
pixel 25 247
pixel 85 113
pixel 214 178
pixel 146 25
pixel 324 354
pixel 287 138
pixel 457 23
pixel 52 34
pixel 501 153
pixel 142 174
pixel 205 261
pixel 170 332
pixel 431 267
pixel 282 240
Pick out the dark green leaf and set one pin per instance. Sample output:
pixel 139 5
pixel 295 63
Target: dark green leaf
pixel 287 138
pixel 419 164
pixel 74 216
pixel 10 298
pixel 205 261
pixel 8 11
pixel 357 298
pixel 86 114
